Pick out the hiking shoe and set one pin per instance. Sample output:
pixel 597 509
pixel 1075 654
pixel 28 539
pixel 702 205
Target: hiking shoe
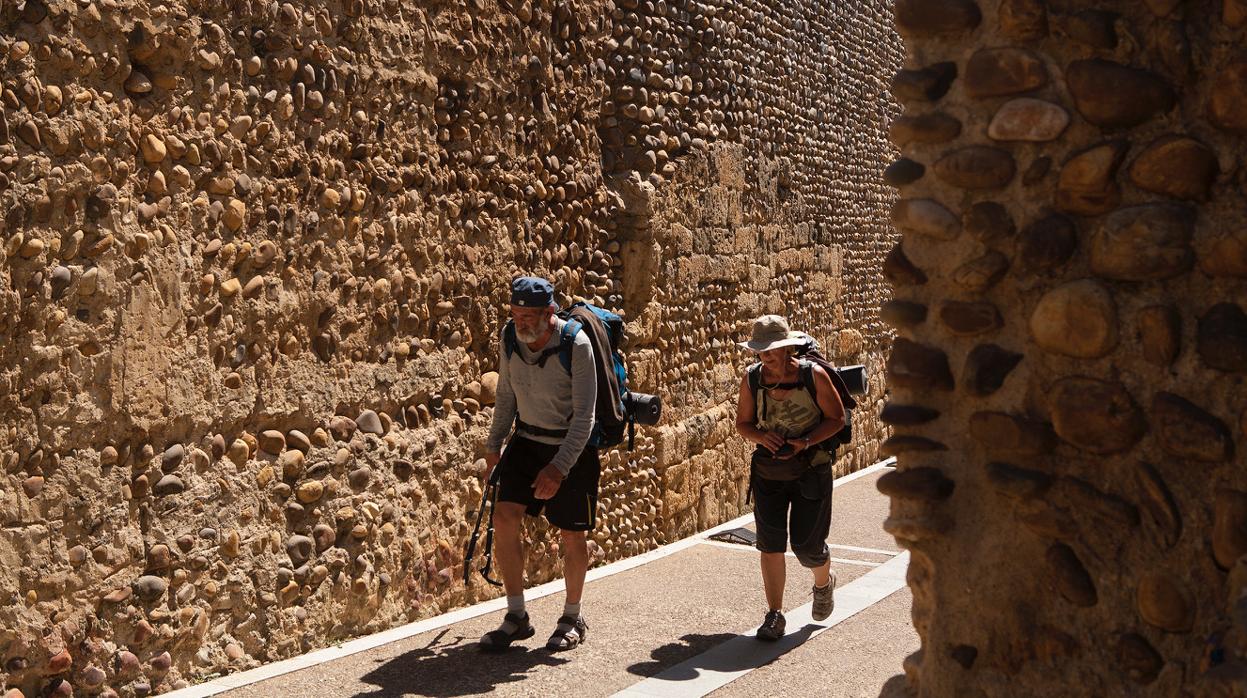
pixel 514 628
pixel 824 600
pixel 773 627
pixel 568 634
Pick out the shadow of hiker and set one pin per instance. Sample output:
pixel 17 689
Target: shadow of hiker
pixel 673 653
pixel 725 652
pixel 457 668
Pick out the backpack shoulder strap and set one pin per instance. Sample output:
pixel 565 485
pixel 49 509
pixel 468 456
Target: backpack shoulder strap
pixel 806 373
pixel 567 339
pixel 754 373
pixel 509 340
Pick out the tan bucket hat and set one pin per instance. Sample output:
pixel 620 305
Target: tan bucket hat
pixel 772 332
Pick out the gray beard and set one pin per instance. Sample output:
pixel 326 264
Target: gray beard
pixel 528 337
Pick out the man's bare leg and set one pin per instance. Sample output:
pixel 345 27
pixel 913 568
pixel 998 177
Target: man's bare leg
pixel 572 630
pixel 509 552
pixel 575 563
pixel 508 548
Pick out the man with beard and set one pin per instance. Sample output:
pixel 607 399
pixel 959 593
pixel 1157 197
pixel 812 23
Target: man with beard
pixel 547 465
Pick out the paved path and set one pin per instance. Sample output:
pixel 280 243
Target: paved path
pixel 674 622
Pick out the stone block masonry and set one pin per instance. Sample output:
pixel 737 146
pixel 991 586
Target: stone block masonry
pixel 253 263
pixel 1067 385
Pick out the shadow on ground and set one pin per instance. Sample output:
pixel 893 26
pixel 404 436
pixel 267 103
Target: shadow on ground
pixel 673 653
pixel 670 657
pixel 896 687
pixel 454 668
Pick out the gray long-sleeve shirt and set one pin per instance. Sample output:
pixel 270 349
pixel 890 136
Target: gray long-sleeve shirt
pixel 547 397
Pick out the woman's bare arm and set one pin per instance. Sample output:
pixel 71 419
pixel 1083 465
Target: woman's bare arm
pixel 830 405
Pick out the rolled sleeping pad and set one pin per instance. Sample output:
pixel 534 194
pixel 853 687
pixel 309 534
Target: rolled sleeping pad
pixel 854 378
pixel 645 409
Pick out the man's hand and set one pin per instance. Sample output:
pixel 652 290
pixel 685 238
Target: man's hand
pixel 772 441
pixel 547 482
pixel 491 462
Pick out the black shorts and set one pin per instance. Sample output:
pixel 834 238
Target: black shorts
pixel 573 507
pixel 796 511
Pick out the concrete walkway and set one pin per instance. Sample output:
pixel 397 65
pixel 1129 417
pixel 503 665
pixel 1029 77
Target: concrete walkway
pixel 674 622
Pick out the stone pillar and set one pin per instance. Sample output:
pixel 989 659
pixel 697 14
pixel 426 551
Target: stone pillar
pixel 1067 381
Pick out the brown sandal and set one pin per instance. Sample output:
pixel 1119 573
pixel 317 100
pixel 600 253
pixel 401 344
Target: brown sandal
pixel 572 638
pixel 498 640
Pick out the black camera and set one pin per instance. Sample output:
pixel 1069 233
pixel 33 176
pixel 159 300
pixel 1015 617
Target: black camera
pixel 644 409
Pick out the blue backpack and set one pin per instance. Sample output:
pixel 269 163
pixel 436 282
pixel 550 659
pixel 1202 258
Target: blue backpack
pixel 612 416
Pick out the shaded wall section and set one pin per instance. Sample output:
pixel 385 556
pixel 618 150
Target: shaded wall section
pixel 1068 380
pixel 254 264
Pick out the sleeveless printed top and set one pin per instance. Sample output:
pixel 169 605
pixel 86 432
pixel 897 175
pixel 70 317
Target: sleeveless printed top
pixel 792 417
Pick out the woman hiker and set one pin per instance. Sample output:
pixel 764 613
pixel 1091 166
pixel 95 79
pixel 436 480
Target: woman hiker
pixel 790 476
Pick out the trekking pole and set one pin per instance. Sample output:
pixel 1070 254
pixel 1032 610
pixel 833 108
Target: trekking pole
pixel 489 541
pixel 488 497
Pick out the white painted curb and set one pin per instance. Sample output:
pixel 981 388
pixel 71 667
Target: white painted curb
pixel 730 660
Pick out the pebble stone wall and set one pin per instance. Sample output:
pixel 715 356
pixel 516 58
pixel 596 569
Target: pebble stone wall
pixel 253 261
pixel 1067 384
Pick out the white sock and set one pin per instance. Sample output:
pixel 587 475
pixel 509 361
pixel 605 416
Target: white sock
pixel 515 604
pixel 570 610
